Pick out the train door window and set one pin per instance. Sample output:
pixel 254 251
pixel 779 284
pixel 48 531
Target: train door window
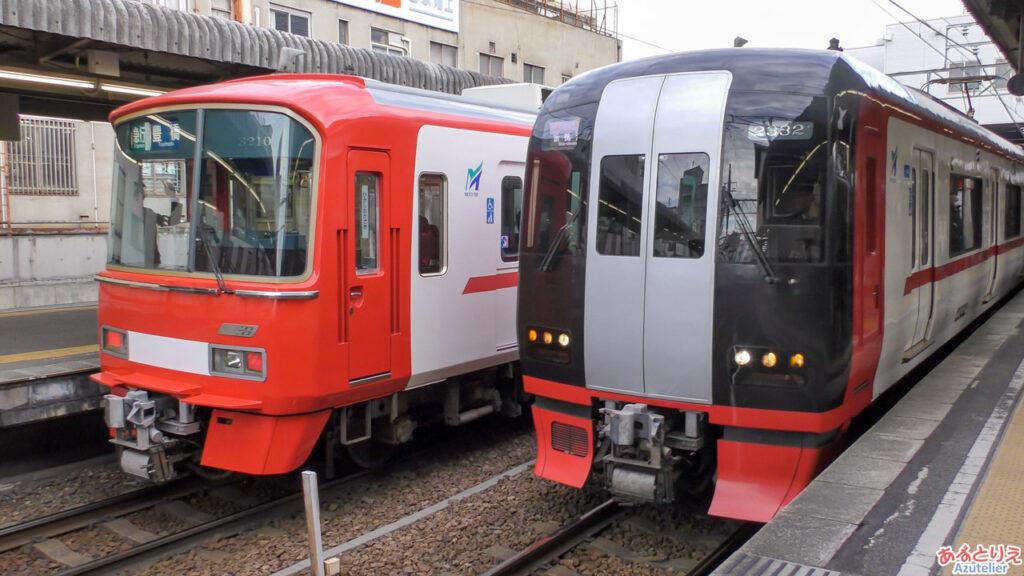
pixel 511 214
pixel 433 198
pixel 682 200
pixel 926 213
pixel 367 200
pixel 871 206
pixel 965 216
pixel 620 197
pixel 912 208
pixel 1012 211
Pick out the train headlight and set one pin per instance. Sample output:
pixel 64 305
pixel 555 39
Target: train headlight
pixel 243 363
pixel 769 360
pixel 742 357
pixel 563 340
pixel 548 337
pixel 115 342
pixel 796 360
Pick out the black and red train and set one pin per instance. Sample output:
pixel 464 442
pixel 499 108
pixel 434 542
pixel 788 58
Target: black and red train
pixel 729 254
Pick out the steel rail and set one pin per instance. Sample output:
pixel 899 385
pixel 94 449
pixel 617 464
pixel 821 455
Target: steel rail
pixel 558 542
pixel 18 535
pixel 140 554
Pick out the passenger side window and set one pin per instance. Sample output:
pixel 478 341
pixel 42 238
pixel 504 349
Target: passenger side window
pixel 681 213
pixel 964 214
pixel 511 214
pixel 1013 204
pixel 433 199
pixel 620 205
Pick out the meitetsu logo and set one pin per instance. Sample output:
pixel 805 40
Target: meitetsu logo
pixel 473 179
pixel 995 559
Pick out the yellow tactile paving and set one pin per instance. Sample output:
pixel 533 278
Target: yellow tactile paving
pixel 41 354
pixel 997 514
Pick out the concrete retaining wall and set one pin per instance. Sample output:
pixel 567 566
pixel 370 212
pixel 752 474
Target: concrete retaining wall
pixel 50 269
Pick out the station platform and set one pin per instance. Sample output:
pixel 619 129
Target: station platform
pixel 46 356
pixel 935 487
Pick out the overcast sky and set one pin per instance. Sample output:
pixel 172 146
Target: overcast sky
pixel 652 27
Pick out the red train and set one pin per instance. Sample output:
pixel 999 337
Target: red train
pixel 297 257
pixel 729 254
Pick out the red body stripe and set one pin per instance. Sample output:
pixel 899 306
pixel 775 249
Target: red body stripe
pixel 479 284
pixel 936 274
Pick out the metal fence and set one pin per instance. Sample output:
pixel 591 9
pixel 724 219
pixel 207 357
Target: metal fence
pixel 42 163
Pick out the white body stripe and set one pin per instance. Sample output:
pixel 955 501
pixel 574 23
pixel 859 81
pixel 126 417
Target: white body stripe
pixel 171 353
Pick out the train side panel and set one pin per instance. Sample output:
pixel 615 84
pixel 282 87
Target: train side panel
pixel 462 308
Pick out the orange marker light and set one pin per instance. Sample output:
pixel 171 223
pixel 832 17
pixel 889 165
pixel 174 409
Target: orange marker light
pixel 796 360
pixel 531 335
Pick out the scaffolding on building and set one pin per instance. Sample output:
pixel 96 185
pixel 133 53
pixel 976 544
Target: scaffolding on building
pixel 601 16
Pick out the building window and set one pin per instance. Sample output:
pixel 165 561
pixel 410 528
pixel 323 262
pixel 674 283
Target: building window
pixel 42 163
pixel 566 77
pixel 290 21
pixel 387 42
pixel 1013 205
pixel 511 214
pixel 964 213
pixel 342 31
pixel 444 54
pixel 491 65
pixel 533 74
pixel 432 196
pixel 221 8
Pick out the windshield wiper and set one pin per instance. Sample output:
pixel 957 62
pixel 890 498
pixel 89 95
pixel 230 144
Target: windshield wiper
pixel 204 237
pixel 549 256
pixel 748 233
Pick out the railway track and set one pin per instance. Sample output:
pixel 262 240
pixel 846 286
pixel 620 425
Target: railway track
pixel 45 534
pixel 584 529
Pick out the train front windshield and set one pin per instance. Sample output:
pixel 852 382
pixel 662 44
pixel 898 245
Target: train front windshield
pixel 247 209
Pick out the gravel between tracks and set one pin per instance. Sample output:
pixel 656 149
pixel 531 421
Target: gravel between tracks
pixel 25 499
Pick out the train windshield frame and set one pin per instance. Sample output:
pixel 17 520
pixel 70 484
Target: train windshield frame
pixel 774 178
pixel 247 210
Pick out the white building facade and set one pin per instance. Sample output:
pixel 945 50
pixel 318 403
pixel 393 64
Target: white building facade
pixel 952 59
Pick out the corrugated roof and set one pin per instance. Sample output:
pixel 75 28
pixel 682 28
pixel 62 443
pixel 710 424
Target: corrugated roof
pixel 145 26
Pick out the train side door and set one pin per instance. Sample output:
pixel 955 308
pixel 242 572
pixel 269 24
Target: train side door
pixel 922 246
pixel 993 233
pixel 368 299
pixel 509 215
pixel 869 215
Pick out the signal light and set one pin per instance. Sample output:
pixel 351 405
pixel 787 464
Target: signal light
pixel 548 338
pixel 531 335
pixel 796 360
pixel 769 360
